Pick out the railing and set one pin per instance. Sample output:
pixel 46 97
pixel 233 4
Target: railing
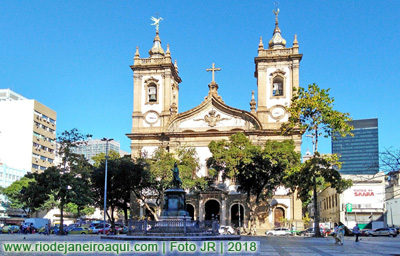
pixel 176 227
pixel 274 52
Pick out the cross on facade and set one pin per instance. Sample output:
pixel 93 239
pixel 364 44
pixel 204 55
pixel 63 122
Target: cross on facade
pixel 213 69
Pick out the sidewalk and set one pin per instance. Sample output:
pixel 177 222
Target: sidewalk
pixel 271 245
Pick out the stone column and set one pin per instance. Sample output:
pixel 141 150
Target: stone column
pixel 201 214
pixel 223 210
pixel 141 211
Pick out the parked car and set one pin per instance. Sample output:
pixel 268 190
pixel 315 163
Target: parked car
pixel 365 232
pixel 391 232
pixel 97 228
pixel 226 230
pixel 310 232
pixel 78 230
pixel 10 229
pixel 278 232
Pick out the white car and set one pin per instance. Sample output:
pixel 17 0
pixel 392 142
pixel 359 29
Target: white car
pixel 226 230
pixel 278 232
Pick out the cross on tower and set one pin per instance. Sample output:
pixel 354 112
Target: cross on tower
pixel 213 69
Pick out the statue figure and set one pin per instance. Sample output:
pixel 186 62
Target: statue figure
pixel 176 181
pixel 156 22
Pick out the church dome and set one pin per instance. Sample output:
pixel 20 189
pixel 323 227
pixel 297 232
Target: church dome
pixel 277 40
pixel 156 51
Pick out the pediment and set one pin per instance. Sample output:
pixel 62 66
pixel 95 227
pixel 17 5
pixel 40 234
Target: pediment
pixel 214 115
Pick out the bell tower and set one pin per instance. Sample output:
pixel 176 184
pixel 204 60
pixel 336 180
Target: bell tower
pixel 277 73
pixel 155 88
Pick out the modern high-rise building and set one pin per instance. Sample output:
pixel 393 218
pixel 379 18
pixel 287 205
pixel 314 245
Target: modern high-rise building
pixel 27 133
pixel 95 147
pixel 359 154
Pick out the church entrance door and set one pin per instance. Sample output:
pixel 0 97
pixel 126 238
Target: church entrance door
pixel 236 212
pixel 190 210
pixel 212 208
pixel 279 215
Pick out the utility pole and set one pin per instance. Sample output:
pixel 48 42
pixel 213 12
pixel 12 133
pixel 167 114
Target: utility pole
pixel 105 185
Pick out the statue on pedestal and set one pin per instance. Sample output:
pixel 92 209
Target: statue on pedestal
pixel 176 181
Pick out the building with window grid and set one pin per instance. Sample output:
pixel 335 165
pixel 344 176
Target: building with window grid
pixel 27 133
pixel 359 154
pixel 96 146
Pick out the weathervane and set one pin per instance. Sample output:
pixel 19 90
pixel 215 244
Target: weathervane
pixel 276 12
pixel 156 22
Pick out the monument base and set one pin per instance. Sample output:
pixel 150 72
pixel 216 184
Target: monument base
pixel 174 205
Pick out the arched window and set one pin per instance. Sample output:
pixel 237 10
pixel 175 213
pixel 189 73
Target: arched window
pixel 277 86
pixel 152 90
pixel 152 93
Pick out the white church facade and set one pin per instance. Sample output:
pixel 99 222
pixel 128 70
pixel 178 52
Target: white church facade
pixel 156 122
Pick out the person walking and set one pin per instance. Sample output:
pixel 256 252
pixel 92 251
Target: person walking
pixel 356 231
pixel 340 235
pixel 335 232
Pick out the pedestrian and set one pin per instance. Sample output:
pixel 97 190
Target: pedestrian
pixel 46 230
pixel 356 231
pixel 340 235
pixel 335 232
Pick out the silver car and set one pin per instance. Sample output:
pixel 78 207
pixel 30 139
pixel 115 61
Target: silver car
pixel 391 232
pixel 278 232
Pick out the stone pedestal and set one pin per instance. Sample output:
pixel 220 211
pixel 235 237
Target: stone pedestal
pixel 174 205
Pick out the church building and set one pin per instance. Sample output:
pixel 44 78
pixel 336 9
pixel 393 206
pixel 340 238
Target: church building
pixel 156 122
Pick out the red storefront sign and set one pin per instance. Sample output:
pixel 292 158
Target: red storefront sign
pixel 363 192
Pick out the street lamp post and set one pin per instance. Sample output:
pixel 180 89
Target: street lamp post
pixel 105 185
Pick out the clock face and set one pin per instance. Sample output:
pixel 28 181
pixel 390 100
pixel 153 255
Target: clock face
pixel 151 117
pixel 277 112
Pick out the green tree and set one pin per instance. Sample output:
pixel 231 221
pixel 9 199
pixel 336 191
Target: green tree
pixel 79 211
pixel 123 177
pixel 312 112
pixel 159 166
pixel 68 182
pixel 102 156
pixel 20 197
pixel 258 170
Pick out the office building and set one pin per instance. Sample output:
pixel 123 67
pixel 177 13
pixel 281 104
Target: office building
pixel 27 133
pixel 359 154
pixel 95 147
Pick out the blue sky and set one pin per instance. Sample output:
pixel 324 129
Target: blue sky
pixel 74 56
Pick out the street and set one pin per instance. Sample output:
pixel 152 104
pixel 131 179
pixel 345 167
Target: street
pixel 268 245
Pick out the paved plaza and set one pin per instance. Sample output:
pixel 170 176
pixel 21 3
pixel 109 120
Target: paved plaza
pixel 268 245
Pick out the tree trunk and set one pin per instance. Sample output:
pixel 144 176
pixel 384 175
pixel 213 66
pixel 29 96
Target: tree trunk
pixel 61 229
pixel 316 211
pixel 112 219
pixel 140 199
pixel 125 213
pixel 151 210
